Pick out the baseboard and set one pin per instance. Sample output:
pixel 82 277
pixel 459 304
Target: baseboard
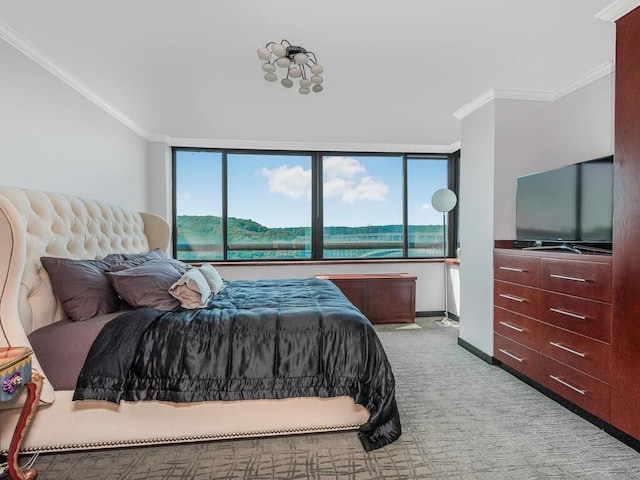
pixel 476 351
pixel 589 417
pixel 437 313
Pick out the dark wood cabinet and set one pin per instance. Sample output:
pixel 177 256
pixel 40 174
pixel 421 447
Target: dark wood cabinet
pixel 383 298
pixel 552 322
pixel 625 340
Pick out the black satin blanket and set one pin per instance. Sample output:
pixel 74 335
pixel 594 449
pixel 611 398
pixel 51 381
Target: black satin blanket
pixel 255 340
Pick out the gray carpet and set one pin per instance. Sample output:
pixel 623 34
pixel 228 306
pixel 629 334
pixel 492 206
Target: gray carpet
pixel 462 419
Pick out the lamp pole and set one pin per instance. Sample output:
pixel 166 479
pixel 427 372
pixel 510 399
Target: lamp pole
pixel 444 200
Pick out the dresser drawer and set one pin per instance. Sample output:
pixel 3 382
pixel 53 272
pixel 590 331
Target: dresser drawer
pixel 516 327
pixel 583 279
pixel 516 269
pixel 517 356
pixel 579 388
pixel 517 298
pixel 587 317
pixel 582 353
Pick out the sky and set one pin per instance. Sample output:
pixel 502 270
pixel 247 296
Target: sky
pixel 275 190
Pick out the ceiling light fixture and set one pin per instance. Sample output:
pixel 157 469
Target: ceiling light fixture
pixel 298 62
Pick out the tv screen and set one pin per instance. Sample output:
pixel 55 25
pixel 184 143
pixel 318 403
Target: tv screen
pixel 573 203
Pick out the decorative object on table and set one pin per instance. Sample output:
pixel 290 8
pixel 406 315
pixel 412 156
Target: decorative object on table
pixel 444 200
pixel 15 373
pixel 295 62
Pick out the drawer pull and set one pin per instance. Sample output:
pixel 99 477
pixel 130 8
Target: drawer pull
pixel 509 354
pixel 512 269
pixel 567 349
pixel 569 314
pixel 563 277
pixel 512 327
pixel 512 297
pixel 559 380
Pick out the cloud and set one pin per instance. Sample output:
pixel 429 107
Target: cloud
pixel 293 182
pixel 341 167
pixel 346 177
pixel 427 207
pixel 368 189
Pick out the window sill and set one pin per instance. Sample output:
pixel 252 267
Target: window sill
pixel 266 263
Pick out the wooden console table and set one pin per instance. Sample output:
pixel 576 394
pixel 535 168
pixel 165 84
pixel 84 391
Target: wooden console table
pixel 382 298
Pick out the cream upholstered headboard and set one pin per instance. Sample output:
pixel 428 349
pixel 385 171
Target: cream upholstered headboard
pixel 34 224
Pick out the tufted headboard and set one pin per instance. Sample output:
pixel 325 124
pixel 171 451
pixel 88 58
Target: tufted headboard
pixel 35 224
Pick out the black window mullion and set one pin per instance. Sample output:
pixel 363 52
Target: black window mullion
pixel 316 208
pixel 225 241
pixel 174 203
pixel 405 207
pixel 453 185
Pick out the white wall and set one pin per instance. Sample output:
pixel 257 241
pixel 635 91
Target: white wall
pixel 159 193
pixel 52 138
pixel 476 227
pixel 500 141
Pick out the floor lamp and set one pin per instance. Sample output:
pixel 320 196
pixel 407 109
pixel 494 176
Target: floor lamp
pixel 444 200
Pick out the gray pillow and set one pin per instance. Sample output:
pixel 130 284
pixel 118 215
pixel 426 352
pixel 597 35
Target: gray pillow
pixel 127 260
pixel 81 286
pixel 146 285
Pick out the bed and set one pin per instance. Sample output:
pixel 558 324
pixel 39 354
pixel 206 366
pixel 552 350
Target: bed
pixel 36 224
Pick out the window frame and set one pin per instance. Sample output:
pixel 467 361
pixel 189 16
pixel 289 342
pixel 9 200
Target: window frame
pixel 316 214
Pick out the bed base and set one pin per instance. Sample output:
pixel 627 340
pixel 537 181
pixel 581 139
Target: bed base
pixel 66 425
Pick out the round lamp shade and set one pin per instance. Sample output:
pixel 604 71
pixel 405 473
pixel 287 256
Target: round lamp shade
pixel 444 200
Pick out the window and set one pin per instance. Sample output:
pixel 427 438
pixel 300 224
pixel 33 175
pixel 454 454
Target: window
pixel 198 205
pixel 425 224
pixel 262 205
pixel 268 206
pixel 362 206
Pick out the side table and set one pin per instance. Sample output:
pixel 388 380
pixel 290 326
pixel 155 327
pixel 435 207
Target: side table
pixel 16 373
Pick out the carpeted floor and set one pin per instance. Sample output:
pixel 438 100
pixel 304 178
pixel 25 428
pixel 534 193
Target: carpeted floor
pixel 462 419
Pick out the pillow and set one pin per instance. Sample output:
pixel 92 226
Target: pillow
pixel 127 260
pixel 212 277
pixel 146 285
pixel 192 290
pixel 81 286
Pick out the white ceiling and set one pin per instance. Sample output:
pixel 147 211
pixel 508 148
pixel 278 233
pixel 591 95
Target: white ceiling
pixel 395 70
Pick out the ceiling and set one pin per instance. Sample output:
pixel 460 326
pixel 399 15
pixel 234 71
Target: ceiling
pixel 395 71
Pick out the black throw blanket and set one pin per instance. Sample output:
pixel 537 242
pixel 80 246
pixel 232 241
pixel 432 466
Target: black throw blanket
pixel 256 340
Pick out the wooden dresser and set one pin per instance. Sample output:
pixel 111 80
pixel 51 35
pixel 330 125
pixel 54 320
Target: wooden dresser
pixel 382 298
pixel 552 322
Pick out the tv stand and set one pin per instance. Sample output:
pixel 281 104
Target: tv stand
pixel 554 247
pixel 575 248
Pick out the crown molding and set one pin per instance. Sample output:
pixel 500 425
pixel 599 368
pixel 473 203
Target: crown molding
pixel 474 105
pixel 617 10
pixel 22 45
pixel 535 95
pixel 591 76
pixel 316 146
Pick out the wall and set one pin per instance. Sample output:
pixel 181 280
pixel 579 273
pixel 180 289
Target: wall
pixel 500 141
pixel 476 227
pixel 52 138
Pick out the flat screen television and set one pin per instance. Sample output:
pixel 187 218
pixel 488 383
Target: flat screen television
pixel 567 205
